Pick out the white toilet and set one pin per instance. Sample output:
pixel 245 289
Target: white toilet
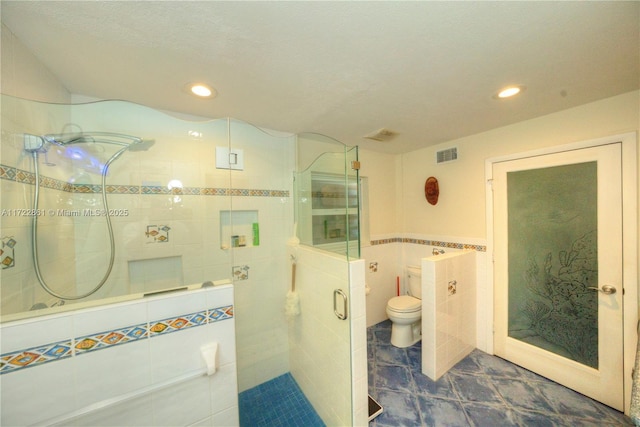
pixel 405 312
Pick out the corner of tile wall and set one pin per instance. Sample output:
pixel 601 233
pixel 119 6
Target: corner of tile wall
pixel 360 377
pixel 449 318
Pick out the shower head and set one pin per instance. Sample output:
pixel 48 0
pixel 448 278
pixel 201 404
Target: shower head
pixel 38 144
pixel 143 145
pixel 64 139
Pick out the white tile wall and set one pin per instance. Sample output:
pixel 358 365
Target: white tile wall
pixel 263 344
pixel 359 375
pixel 91 377
pixel 448 318
pixel 382 283
pixel 392 259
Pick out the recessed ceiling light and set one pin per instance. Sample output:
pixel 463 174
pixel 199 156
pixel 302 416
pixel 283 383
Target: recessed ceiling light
pixel 200 90
pixel 509 91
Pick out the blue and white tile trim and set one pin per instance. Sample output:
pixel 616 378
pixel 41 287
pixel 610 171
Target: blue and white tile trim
pixel 35 356
pixel 442 244
pixel 25 177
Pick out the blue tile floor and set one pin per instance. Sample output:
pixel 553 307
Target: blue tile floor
pixel 278 402
pixel 480 391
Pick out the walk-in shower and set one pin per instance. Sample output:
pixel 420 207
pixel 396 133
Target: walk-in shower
pixel 35 145
pixel 174 220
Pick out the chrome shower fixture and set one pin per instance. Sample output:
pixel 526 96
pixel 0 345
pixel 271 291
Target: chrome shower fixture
pixel 33 143
pixel 36 143
pixel 91 137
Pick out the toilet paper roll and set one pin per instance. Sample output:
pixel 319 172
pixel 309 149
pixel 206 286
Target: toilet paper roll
pixel 210 355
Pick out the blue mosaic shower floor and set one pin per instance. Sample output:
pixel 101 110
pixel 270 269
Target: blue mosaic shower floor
pixel 278 402
pixel 480 391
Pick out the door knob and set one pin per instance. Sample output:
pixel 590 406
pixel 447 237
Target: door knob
pixel 606 289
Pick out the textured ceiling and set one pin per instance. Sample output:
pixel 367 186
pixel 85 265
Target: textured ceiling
pixel 426 70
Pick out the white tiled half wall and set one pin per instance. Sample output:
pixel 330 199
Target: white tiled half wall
pixel 323 361
pixel 68 365
pixel 448 310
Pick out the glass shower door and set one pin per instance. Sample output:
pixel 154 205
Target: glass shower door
pixel 327 215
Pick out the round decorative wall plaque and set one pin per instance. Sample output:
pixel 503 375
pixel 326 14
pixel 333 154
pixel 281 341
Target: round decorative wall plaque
pixel 431 190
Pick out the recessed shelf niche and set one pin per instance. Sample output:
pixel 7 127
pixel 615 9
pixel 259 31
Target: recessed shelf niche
pixel 239 229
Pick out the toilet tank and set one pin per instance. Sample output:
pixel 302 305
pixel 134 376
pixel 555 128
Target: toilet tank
pixel 415 281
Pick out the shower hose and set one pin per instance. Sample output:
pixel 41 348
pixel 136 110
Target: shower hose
pixel 34 231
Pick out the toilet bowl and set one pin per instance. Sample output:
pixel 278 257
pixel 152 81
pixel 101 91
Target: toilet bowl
pixel 405 312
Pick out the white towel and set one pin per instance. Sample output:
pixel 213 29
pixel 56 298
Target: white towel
pixel 210 355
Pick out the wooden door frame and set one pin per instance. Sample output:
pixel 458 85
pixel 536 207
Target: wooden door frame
pixel 629 244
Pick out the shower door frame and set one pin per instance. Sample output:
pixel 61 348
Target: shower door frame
pixel 628 143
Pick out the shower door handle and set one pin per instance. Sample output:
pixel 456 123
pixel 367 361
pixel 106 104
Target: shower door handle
pixel 344 314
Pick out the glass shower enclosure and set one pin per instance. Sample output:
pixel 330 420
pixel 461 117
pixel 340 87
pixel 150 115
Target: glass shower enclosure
pixel 106 201
pixel 109 201
pixel 327 190
pixel 327 213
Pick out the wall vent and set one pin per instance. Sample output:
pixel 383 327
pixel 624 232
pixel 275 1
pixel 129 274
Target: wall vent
pixel 382 135
pixel 448 155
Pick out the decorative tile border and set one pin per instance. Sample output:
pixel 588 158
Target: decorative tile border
pixel 154 189
pixel 121 189
pixel 386 241
pixel 214 191
pixel 21 359
pixel 7 172
pixel 220 313
pixel 7 253
pixel 102 340
pixel 175 324
pixel 259 193
pixel 26 177
pixel 12 362
pixel 450 245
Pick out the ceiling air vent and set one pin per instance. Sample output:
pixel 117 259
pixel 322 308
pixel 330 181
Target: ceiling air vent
pixel 448 155
pixel 382 135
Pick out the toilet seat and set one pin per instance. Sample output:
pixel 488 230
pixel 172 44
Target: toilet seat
pixel 404 304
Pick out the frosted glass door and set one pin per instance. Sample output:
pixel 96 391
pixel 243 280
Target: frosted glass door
pixel 558 267
pixel 553 259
